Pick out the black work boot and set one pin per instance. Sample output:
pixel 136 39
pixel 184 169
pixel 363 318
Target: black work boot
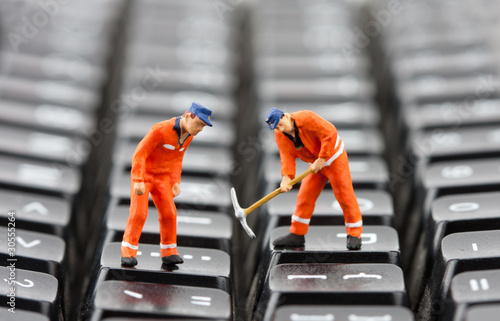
pixel 353 242
pixel 290 240
pixel 129 261
pixel 172 259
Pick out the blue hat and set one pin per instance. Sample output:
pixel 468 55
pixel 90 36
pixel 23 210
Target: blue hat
pixel 202 113
pixel 273 117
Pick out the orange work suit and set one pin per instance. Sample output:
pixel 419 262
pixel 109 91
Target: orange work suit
pixel 157 162
pixel 320 140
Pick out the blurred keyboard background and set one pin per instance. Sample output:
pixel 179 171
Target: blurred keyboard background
pixel 412 86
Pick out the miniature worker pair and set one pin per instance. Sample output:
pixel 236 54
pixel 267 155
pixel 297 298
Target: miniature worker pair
pixel 156 169
pixel 157 165
pixel 306 135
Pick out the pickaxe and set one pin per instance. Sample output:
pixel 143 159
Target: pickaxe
pixel 241 213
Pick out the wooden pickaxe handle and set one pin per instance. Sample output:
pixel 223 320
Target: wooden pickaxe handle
pixel 277 191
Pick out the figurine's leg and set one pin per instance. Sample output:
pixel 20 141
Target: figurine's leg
pixel 138 213
pixel 309 190
pixel 340 177
pixel 163 197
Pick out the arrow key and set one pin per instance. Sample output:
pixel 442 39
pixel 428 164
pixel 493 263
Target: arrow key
pixel 34 251
pixel 36 212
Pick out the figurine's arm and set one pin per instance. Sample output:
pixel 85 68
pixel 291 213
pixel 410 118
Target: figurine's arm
pixel 175 176
pixel 288 155
pixel 176 169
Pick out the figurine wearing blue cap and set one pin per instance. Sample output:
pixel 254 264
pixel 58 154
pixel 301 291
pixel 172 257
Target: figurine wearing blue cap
pixel 306 135
pixel 156 170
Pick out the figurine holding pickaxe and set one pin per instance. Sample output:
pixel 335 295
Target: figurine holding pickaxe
pixel 307 136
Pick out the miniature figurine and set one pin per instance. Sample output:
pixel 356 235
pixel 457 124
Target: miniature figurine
pixel 156 169
pixel 306 135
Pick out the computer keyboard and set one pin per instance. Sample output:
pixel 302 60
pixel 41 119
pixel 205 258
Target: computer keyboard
pixel 412 87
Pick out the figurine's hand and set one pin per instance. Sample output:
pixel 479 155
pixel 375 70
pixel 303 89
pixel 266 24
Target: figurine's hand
pixel 318 165
pixel 176 189
pixel 139 188
pixel 284 184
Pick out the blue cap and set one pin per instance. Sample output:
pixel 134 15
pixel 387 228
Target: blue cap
pixel 273 117
pixel 202 113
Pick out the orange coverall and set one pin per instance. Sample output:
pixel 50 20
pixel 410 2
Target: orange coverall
pixel 157 162
pixel 320 140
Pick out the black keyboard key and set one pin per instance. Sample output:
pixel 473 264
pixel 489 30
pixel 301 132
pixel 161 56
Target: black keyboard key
pixel 367 284
pixel 45 146
pixel 187 77
pixel 327 244
pixel 194 228
pixel 201 267
pixel 451 113
pixel 454 177
pixel 462 213
pixel 95 52
pixel 460 142
pixel 36 212
pixel 47 117
pixel 470 289
pixel 432 88
pixel 319 89
pixel 456 64
pixel 119 298
pixel 66 68
pixel 309 66
pixel 448 176
pixel 45 176
pixel 187 50
pixel 34 291
pixel 476 287
pixel 49 92
pixel 342 313
pixel 484 312
pixel 322 237
pixel 460 252
pixel 36 251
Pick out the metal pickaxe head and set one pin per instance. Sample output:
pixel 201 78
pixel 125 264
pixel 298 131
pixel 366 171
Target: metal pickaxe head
pixel 240 214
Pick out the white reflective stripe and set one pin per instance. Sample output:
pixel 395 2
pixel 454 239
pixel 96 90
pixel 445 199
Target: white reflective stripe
pixel 180 150
pixel 336 155
pixel 168 146
pixel 168 246
pixel 300 220
pixel 337 142
pixel 357 224
pixel 126 244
